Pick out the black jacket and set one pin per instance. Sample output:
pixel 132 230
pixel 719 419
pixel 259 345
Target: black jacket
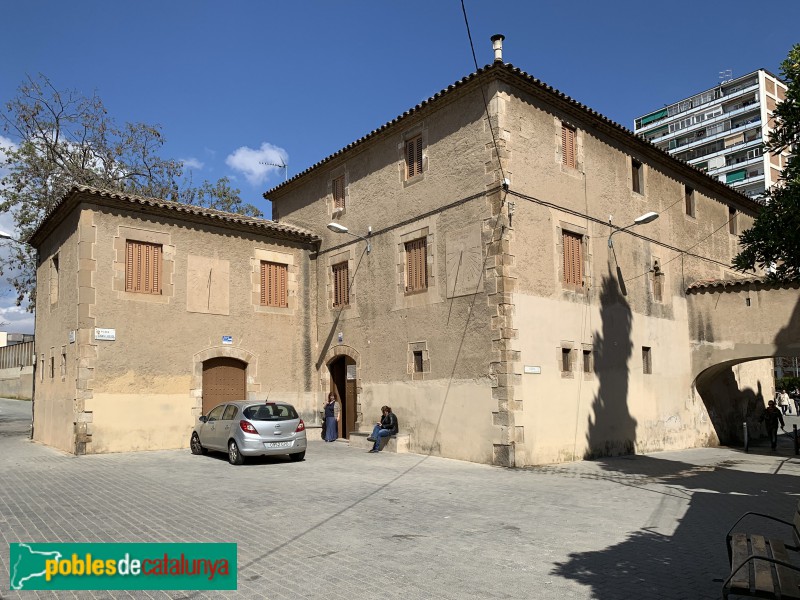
pixel 389 422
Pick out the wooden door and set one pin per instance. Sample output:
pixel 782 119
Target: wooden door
pixel 224 380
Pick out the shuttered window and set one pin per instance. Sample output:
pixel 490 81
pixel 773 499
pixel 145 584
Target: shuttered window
pixel 338 192
pixel 568 146
pixel 341 285
pixel 573 258
pixel 273 284
pixel 417 265
pixel 142 267
pixel 414 157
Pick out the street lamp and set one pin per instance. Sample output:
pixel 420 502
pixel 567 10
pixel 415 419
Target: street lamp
pixel 337 228
pixel 647 217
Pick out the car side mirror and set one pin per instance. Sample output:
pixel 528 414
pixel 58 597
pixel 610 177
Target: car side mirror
pixel 203 418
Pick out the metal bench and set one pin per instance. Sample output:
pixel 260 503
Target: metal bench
pixel 762 566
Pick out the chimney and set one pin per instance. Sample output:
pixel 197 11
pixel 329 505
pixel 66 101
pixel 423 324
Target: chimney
pixel 497 46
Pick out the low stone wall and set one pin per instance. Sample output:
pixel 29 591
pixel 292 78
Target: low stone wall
pixel 16 382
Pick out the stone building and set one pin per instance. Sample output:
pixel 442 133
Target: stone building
pixel 150 312
pixel 457 264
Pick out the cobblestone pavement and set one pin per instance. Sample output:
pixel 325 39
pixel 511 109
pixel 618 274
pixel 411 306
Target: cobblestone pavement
pixel 346 524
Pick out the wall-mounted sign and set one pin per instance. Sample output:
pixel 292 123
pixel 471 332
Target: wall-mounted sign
pixel 351 372
pixel 107 335
pixel 341 337
pixel 71 336
pixel 533 370
pixel 227 340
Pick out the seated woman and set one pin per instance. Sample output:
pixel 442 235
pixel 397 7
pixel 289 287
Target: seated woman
pixel 384 428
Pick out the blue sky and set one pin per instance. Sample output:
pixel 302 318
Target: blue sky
pixel 238 82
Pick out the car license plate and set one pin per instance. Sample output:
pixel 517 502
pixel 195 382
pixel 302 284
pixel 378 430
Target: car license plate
pixel 277 444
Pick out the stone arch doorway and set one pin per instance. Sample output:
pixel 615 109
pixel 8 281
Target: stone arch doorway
pixel 224 379
pixel 343 383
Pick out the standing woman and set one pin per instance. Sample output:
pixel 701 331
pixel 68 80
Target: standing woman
pixel 331 418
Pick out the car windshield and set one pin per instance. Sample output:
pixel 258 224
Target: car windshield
pixel 270 412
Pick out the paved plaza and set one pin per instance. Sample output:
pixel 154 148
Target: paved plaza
pixel 346 524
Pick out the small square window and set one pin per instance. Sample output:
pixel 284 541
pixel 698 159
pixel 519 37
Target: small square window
pixel 587 361
pixel 637 182
pixel 689 201
pixel 647 360
pixel 733 226
pixel 566 360
pixel 418 367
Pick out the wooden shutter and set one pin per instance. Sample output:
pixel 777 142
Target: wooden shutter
pixel 417 265
pixel 567 146
pixel 338 192
pixel 273 284
pixel 341 285
pixel 414 157
pixel 142 267
pixel 573 258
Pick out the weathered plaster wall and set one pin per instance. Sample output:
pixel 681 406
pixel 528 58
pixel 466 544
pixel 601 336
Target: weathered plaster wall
pixel 382 322
pixel 617 408
pixel 54 412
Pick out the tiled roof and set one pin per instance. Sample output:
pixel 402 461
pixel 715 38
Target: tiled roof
pixel 708 284
pixel 511 73
pixel 186 211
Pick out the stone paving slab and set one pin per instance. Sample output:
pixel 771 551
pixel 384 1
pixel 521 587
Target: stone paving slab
pixel 347 524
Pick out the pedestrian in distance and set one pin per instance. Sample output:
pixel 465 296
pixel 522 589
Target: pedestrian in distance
pixel 331 418
pixel 784 403
pixel 796 397
pixel 384 428
pixel 771 417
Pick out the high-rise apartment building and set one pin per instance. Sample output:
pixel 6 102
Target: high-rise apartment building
pixel 722 131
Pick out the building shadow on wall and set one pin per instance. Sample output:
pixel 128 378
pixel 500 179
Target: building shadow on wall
pixel 611 428
pixel 679 550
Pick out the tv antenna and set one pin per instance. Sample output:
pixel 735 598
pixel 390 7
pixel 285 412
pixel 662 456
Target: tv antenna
pixel 725 76
pixel 282 165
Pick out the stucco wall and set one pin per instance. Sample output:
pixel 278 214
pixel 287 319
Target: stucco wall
pixel 382 322
pixel 614 315
pixel 143 390
pixel 16 382
pixel 54 414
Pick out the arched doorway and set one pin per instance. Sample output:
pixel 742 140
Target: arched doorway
pixel 343 383
pixel 224 379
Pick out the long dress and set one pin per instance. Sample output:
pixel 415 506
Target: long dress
pixel 331 428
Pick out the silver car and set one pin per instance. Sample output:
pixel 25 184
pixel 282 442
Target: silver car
pixel 244 428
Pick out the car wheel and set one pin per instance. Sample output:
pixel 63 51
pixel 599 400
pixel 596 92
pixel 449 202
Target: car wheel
pixel 196 446
pixel 234 456
pixel 298 457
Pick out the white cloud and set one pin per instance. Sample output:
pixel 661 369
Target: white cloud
pixel 14 319
pixel 251 162
pixel 192 163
